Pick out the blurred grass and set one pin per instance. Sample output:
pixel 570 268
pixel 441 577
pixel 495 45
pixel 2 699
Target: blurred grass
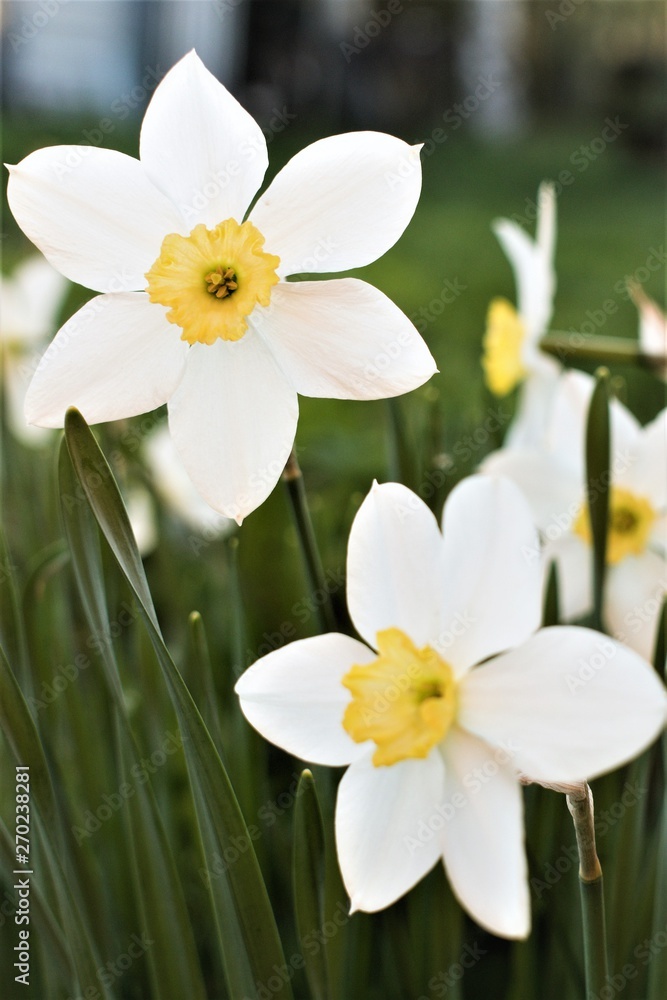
pixel 609 220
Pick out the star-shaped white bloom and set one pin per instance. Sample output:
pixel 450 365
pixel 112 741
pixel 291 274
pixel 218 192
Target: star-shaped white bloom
pixel 31 300
pixel 511 343
pixel 552 477
pixel 195 310
pixel 459 699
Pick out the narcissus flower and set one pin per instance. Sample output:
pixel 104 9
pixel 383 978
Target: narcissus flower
pixel 552 477
pixel 196 310
pixel 512 356
pixel 31 299
pixel 453 696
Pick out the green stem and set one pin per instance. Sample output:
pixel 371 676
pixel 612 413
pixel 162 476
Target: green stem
pixel 598 480
pixel 293 480
pixel 580 804
pixel 586 347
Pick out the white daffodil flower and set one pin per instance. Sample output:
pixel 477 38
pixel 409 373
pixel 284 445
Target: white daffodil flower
pixel 195 310
pixel 31 299
pixel 512 355
pixel 435 742
pixel 553 480
pixel 176 489
pixel 652 329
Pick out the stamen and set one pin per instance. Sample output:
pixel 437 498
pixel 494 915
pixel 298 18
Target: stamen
pixel 221 282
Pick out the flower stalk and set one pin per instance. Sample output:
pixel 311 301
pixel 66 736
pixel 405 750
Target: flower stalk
pixel 606 350
pixel 580 804
pixel 293 479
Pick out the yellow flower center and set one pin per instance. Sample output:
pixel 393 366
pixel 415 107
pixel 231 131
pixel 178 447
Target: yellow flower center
pixel 405 700
pixel 502 360
pixel 631 518
pixel 212 280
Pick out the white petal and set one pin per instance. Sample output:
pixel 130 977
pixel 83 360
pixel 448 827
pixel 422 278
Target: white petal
pixel 93 213
pixel 387 828
pixel 177 489
pixel 295 699
pixel 31 299
pixel 394 566
pixel 492 571
pixel 567 430
pixel 647 474
pixel 343 339
pixel 17 373
pixel 116 357
pixel 531 420
pixel 534 275
pixel 553 492
pixel 340 203
pixel 200 147
pixel 634 591
pixel 574 562
pixel 570 704
pixel 233 421
pixel 483 840
pixel 652 327
pixel 545 235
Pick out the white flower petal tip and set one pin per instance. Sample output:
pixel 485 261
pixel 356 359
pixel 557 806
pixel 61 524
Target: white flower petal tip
pixel 353 194
pixel 573 703
pixel 200 147
pixel 293 696
pixel 365 348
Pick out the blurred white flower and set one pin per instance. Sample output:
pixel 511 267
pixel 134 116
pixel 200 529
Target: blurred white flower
pixel 176 489
pixel 435 743
pixel 652 328
pixel 30 300
pixel 512 356
pixel 197 313
pixel 553 480
pixel 141 512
